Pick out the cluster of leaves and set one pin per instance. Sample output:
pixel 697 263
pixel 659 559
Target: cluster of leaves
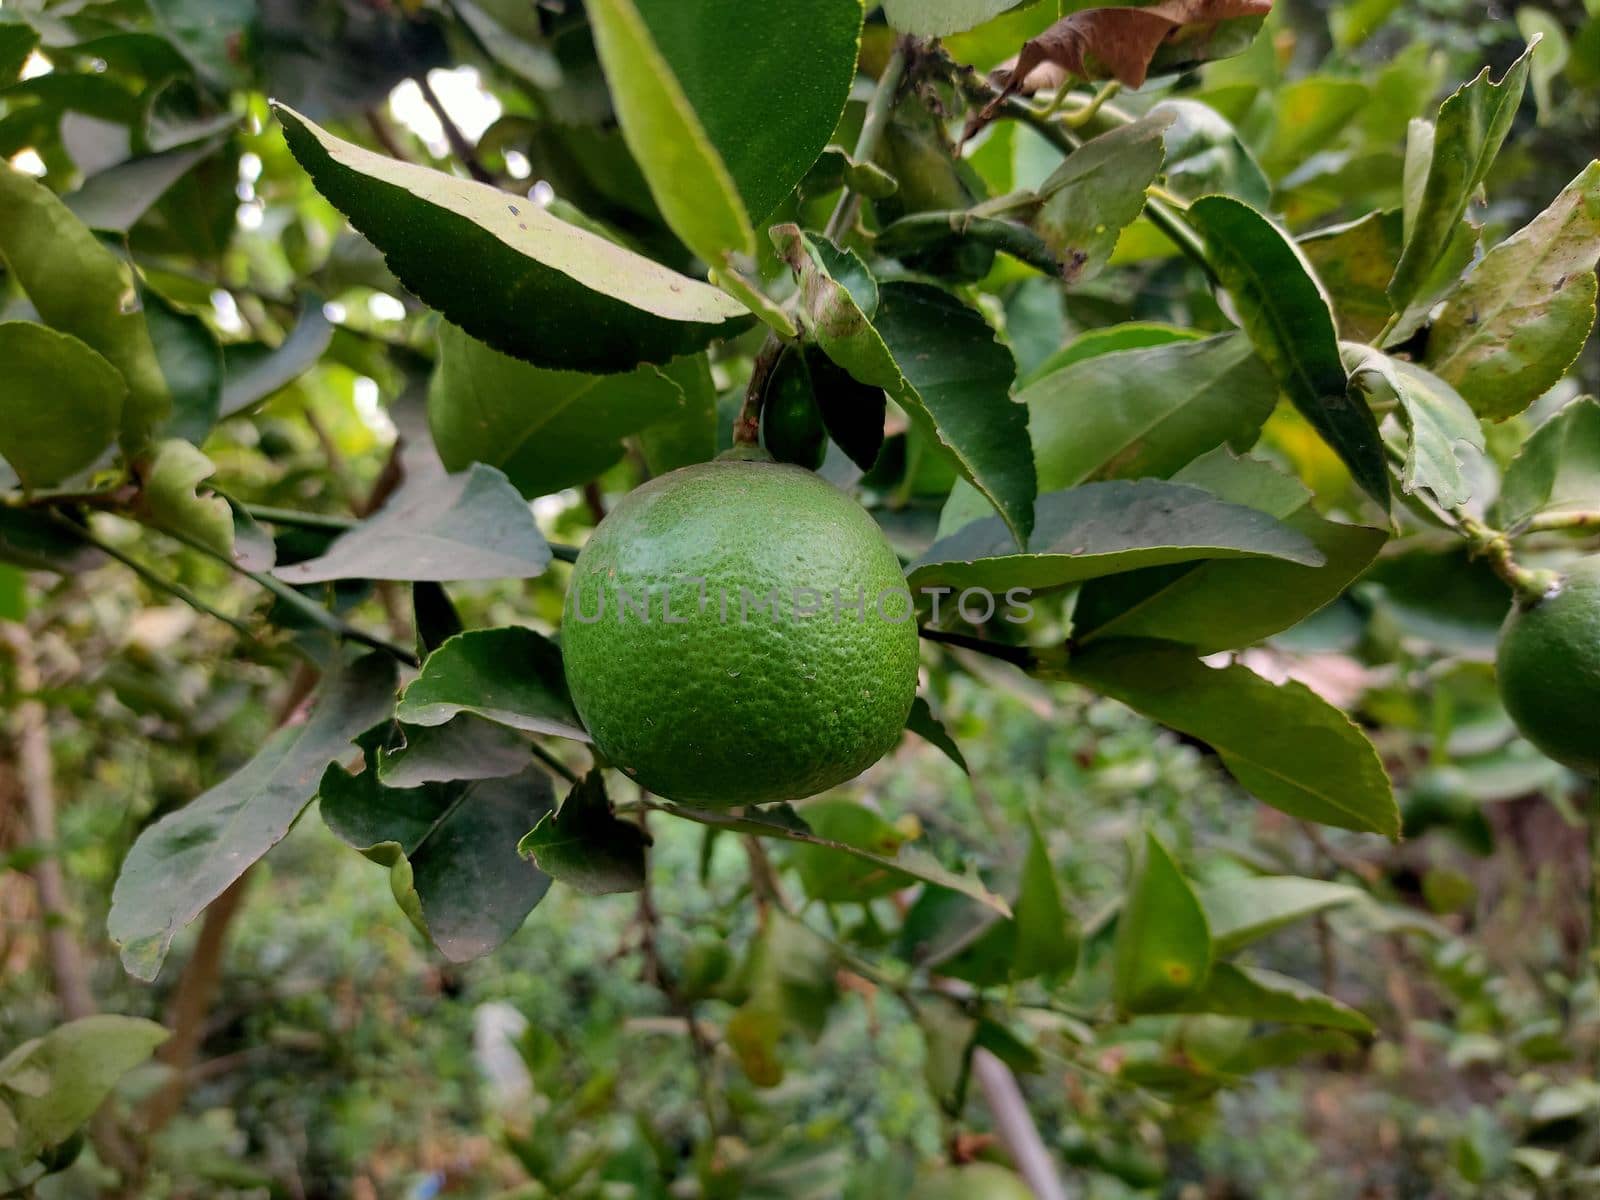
pixel 1174 491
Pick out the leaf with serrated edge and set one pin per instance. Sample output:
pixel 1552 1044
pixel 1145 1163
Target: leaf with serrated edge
pixel 509 675
pixel 540 289
pixel 1521 317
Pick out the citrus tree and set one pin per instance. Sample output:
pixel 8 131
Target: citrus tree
pixel 763 383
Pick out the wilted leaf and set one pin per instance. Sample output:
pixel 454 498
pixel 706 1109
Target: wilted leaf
pixel 187 859
pixel 170 498
pixel 1521 317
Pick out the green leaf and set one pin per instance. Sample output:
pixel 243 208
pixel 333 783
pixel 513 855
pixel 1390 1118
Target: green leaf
pixel 169 499
pixel 81 288
pixel 771 95
pixel 852 411
pixel 585 845
pixel 79 1063
pixel 690 435
pixel 191 363
pixel 187 859
pixel 1290 748
pixel 1260 995
pixel 1355 262
pixel 1435 416
pixel 1163 948
pixel 1536 25
pixel 115 199
pixel 1225 604
pixel 949 1033
pixel 1289 318
pixel 1145 411
pixel 1046 934
pixel 539 288
pixel 512 676
pixel 61 406
pixel 1103 528
pixel 1521 317
pixel 1205 156
pixel 13 593
pixel 16 44
pixel 44 542
pixel 687 176
pixel 1473 122
pixel 1097 192
pixel 783 823
pixel 937 358
pixel 1131 335
pixel 471 525
pixel 255 372
pixel 451 850
pixel 930 729
pixel 1241 911
pixel 940 18
pixel 828 875
pixel 464 747
pixel 790 977
pixel 547 430
pixel 1557 469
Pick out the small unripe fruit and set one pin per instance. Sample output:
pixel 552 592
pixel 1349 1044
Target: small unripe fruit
pixel 1548 666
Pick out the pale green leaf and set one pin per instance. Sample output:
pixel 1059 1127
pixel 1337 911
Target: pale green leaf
pixel 61 406
pixel 1163 947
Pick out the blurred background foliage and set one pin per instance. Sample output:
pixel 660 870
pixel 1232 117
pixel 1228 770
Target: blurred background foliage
pixel 339 1055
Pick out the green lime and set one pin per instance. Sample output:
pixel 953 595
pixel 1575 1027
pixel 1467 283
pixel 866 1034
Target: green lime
pixel 739 632
pixel 976 1181
pixel 791 423
pixel 1548 665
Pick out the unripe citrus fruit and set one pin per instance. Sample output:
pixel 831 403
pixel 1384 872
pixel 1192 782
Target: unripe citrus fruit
pixel 1548 665
pixel 975 1181
pixel 738 633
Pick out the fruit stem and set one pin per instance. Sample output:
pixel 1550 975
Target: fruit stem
pixel 1529 586
pixel 747 426
pixel 1551 522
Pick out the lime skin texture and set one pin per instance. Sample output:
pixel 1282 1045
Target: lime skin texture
pixel 715 699
pixel 1548 666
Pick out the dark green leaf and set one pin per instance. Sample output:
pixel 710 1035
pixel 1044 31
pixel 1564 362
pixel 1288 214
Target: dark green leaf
pixel 930 729
pixel 44 542
pixel 1225 604
pixel 1557 469
pixel 61 406
pixel 690 435
pixel 1046 935
pixel 1103 528
pixel 939 360
pixel 1290 748
pixel 547 430
pixel 115 199
pixel 852 411
pixel 82 288
pixel 464 747
pixel 1473 122
pixel 585 845
pixel 1290 320
pixel 512 676
pixel 1267 996
pixel 1163 948
pixel 254 372
pixel 191 363
pixel 187 859
pixel 949 1033
pixel 16 44
pixel 540 289
pixel 451 850
pixel 1241 911
pixel 1145 411
pixel 1521 317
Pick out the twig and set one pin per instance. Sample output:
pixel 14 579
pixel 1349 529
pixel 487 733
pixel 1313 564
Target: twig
pixel 747 426
pixel 1550 522
pixel 553 763
pixel 385 135
pixel 1019 656
pixel 459 146
pixel 294 519
pixel 1015 1125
